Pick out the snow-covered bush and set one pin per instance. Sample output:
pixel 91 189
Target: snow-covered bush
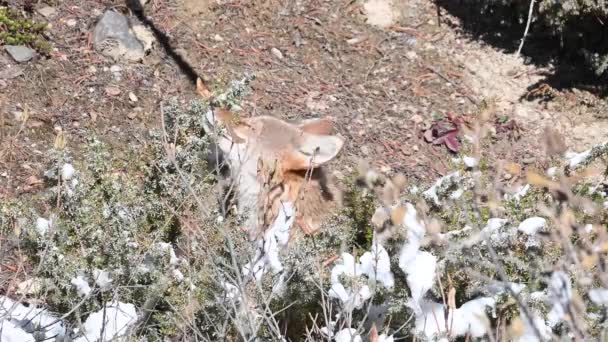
pixel 145 245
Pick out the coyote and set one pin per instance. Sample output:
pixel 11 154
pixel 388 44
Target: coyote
pixel 272 162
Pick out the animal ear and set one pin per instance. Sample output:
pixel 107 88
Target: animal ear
pixel 318 126
pixel 312 150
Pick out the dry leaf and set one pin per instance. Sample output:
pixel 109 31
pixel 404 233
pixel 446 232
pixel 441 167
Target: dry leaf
pixel 452 297
pixel 513 168
pixel 59 143
pixel 112 91
pixel 589 261
pixel 132 97
pixel 202 89
pixel 33 180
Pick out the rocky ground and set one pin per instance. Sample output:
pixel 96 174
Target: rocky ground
pixel 402 84
pixel 382 71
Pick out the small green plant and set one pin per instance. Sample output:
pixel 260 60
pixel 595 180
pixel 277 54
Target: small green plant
pixel 16 30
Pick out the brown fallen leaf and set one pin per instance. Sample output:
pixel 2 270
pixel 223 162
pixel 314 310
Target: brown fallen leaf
pixel 33 180
pixel 112 91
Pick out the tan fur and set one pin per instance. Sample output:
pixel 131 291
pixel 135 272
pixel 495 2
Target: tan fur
pixel 276 162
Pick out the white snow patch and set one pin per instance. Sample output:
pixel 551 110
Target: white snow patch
pixel 12 313
pixel 385 338
pixel 178 275
pixel 347 335
pixel 560 294
pixel 532 225
pixel 457 194
pixel 118 318
pixel 377 266
pixel 519 194
pixel 232 292
pixel 67 171
pixel 164 246
pixel 102 279
pixel 10 332
pixel 419 266
pixel 431 193
pixel 43 225
pixel 574 159
pixel 267 254
pixel 470 318
pixel 82 286
pixel 350 298
pixel 374 264
pixel 599 296
pixel 470 162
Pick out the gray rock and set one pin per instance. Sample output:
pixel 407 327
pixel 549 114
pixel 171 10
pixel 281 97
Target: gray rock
pixel 113 38
pixel 46 11
pixel 20 53
pixel 10 72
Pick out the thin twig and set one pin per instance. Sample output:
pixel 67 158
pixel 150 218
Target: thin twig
pixel 521 44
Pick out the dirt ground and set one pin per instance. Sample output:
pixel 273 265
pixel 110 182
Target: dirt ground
pixel 381 85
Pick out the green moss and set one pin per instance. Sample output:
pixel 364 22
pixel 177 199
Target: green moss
pixel 17 30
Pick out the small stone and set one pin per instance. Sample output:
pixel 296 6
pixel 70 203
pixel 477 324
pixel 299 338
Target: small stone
pixel 132 97
pixel 92 69
pixel 67 171
pixel 470 162
pixel 115 68
pixel 144 35
pixel 417 118
pixel 411 55
pixel 218 38
pixel 532 225
pixel 277 53
pixel 20 54
pixel 297 38
pixel 46 11
pixel 71 22
pixel 112 91
pixel 507 176
pixel 113 38
pixel 10 72
pixel 132 115
pixel 18 114
pixel 355 40
pixel 529 160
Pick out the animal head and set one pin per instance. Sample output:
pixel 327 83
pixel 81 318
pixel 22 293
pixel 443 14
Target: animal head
pixel 272 161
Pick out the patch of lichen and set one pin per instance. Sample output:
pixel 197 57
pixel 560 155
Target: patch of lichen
pixel 17 30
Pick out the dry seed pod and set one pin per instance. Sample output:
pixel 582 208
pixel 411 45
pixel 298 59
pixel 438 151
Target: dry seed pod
pixel 380 218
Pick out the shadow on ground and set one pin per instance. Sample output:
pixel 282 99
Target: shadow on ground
pixel 502 26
